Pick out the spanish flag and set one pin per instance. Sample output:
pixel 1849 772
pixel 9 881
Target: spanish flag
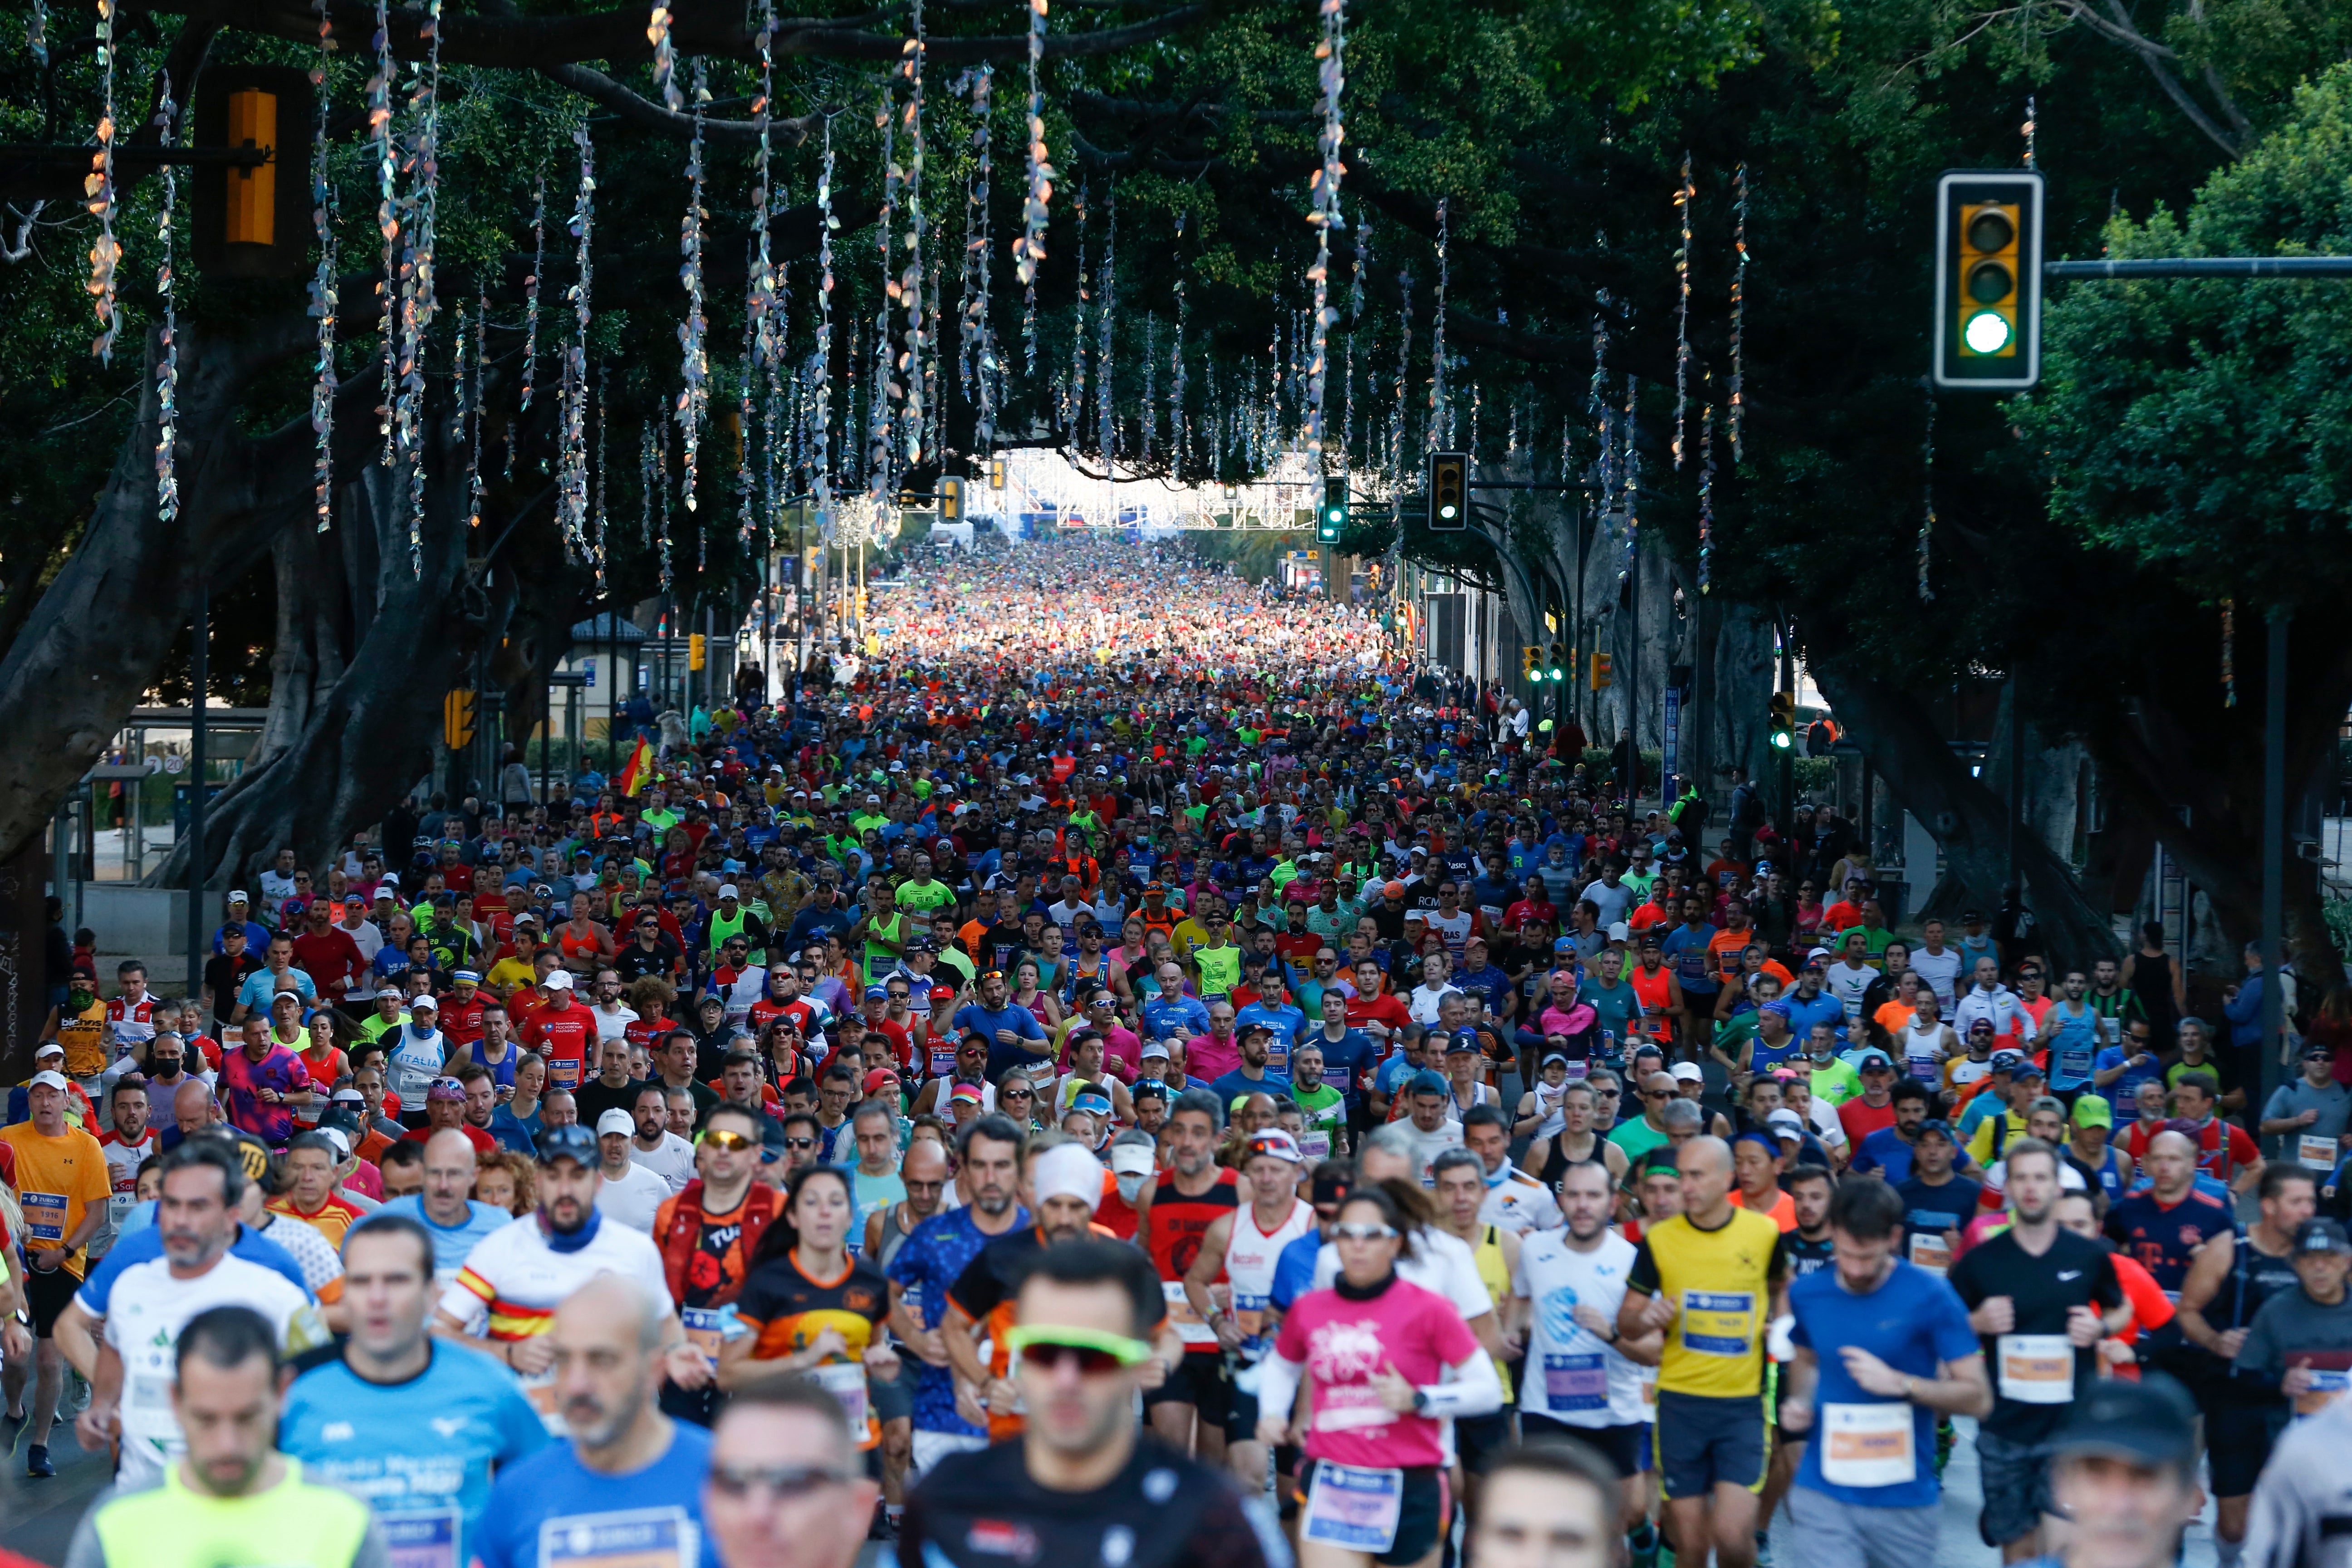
pixel 640 769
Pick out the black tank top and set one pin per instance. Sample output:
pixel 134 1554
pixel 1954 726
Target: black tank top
pixel 1557 1161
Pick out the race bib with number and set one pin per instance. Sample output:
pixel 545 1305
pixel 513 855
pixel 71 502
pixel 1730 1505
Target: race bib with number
pixel 1930 1252
pixel 845 1381
pixel 421 1540
pixel 1576 1383
pixel 1719 1322
pixel 1869 1445
pixel 1314 1145
pixel 1354 1508
pixel 705 1327
pixel 45 1216
pixel 943 1061
pixel 2036 1369
pixel 637 1538
pixel 2315 1153
pixel 2074 1064
pixel 1188 1323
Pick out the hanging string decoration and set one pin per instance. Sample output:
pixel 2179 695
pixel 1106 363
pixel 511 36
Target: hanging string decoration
pixel 1151 409
pixel 743 429
pixel 1404 371
pixel 911 362
pixel 2229 653
pixel 2028 129
pixel 645 483
pixel 1325 218
pixel 1928 489
pixel 1179 429
pixel 1074 391
pixel 1597 400
pixel 1030 248
pixel 1684 195
pixel 664 57
pixel 530 291
pixel 603 467
pixel 387 220
pixel 1706 496
pixel 417 302
pixel 572 463
pixel 972 356
pixel 878 418
pixel 759 300
pixel 36 33
pixel 1735 411
pixel 1106 419
pixel 694 369
pixel 820 362
pixel 322 288
pixel 167 372
pixel 1441 418
pixel 97 187
pixel 661 491
pixel 1630 465
pixel 477 489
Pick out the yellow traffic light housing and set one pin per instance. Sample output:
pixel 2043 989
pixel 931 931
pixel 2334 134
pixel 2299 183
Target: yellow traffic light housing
pixel 996 473
pixel 1988 280
pixel 1602 673
pixel 1531 663
pixel 697 650
pixel 458 719
pixel 1449 491
pixel 1784 721
pixel 950 501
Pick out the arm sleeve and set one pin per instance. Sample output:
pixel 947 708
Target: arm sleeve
pixel 1277 1387
pixel 1644 1275
pixel 1474 1391
pixel 976 1289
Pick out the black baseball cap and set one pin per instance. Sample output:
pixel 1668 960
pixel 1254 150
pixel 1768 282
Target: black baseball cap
pixel 2321 1234
pixel 574 1142
pixel 2146 1423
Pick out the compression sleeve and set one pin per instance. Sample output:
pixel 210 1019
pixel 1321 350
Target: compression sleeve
pixel 1643 1276
pixel 1474 1391
pixel 1277 1384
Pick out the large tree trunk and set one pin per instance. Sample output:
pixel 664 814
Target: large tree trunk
pixel 1969 821
pixel 99 634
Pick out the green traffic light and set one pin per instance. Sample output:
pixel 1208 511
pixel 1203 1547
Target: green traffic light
pixel 1780 740
pixel 1445 512
pixel 1986 333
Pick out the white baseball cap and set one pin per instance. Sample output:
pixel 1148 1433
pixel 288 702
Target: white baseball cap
pixel 56 1080
pixel 728 891
pixel 616 1120
pixel 558 980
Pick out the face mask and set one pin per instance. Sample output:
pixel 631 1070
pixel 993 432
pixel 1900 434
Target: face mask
pixel 1130 1185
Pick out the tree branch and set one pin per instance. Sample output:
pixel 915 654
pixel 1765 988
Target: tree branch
pixel 598 88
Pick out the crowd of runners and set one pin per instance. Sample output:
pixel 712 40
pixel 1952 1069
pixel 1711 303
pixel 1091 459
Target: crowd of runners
pixel 1135 1070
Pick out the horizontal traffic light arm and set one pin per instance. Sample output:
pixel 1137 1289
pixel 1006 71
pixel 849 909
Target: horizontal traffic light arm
pixel 2206 267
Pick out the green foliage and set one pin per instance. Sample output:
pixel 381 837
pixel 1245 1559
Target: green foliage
pixel 2204 427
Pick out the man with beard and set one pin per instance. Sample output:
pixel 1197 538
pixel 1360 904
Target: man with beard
pixel 933 1258
pixel 630 1480
pixel 504 1299
pixel 1192 1195
pixel 706 1234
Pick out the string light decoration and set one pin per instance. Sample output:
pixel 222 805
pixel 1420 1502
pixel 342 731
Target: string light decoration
pixel 1630 464
pixel 1331 70
pixel 1684 195
pixel 664 57
pixel 1151 406
pixel 743 432
pixel 1441 418
pixel 694 369
pixel 1106 419
pixel 1928 489
pixel 167 372
pixel 322 288
pixel 1074 391
pixel 97 187
pixel 1735 411
pixel 661 503
pixel 645 483
pixel 2028 129
pixel 1030 248
pixel 1404 371
pixel 572 463
pixel 1596 400
pixel 911 361
pixel 36 33
pixel 387 220
pixel 760 298
pixel 821 423
pixel 603 468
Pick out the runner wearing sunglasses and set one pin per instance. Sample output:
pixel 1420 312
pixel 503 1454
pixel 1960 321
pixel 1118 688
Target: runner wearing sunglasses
pixel 1083 1484
pixel 1375 1352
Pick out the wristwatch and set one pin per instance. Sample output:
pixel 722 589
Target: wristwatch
pixel 1420 1401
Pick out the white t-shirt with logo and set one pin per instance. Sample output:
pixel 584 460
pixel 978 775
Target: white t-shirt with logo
pixel 145 1311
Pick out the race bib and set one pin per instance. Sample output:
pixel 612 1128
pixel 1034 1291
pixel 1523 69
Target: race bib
pixel 1188 1324
pixel 2315 1153
pixel 1314 1145
pixel 942 1061
pixel 2074 1064
pixel 1576 1383
pixel 1930 1252
pixel 1869 1445
pixel 45 1216
pixel 563 1074
pixel 1354 1508
pixel 421 1540
pixel 638 1538
pixel 704 1330
pixel 845 1381
pixel 1580 1068
pixel 2036 1369
pixel 1719 1322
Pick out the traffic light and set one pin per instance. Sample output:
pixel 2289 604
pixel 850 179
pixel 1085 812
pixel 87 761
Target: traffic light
pixel 697 650
pixel 1600 672
pixel 458 719
pixel 1559 668
pixel 1449 491
pixel 1333 517
pixel 1531 663
pixel 950 501
pixel 996 473
pixel 1988 280
pixel 252 220
pixel 1784 721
